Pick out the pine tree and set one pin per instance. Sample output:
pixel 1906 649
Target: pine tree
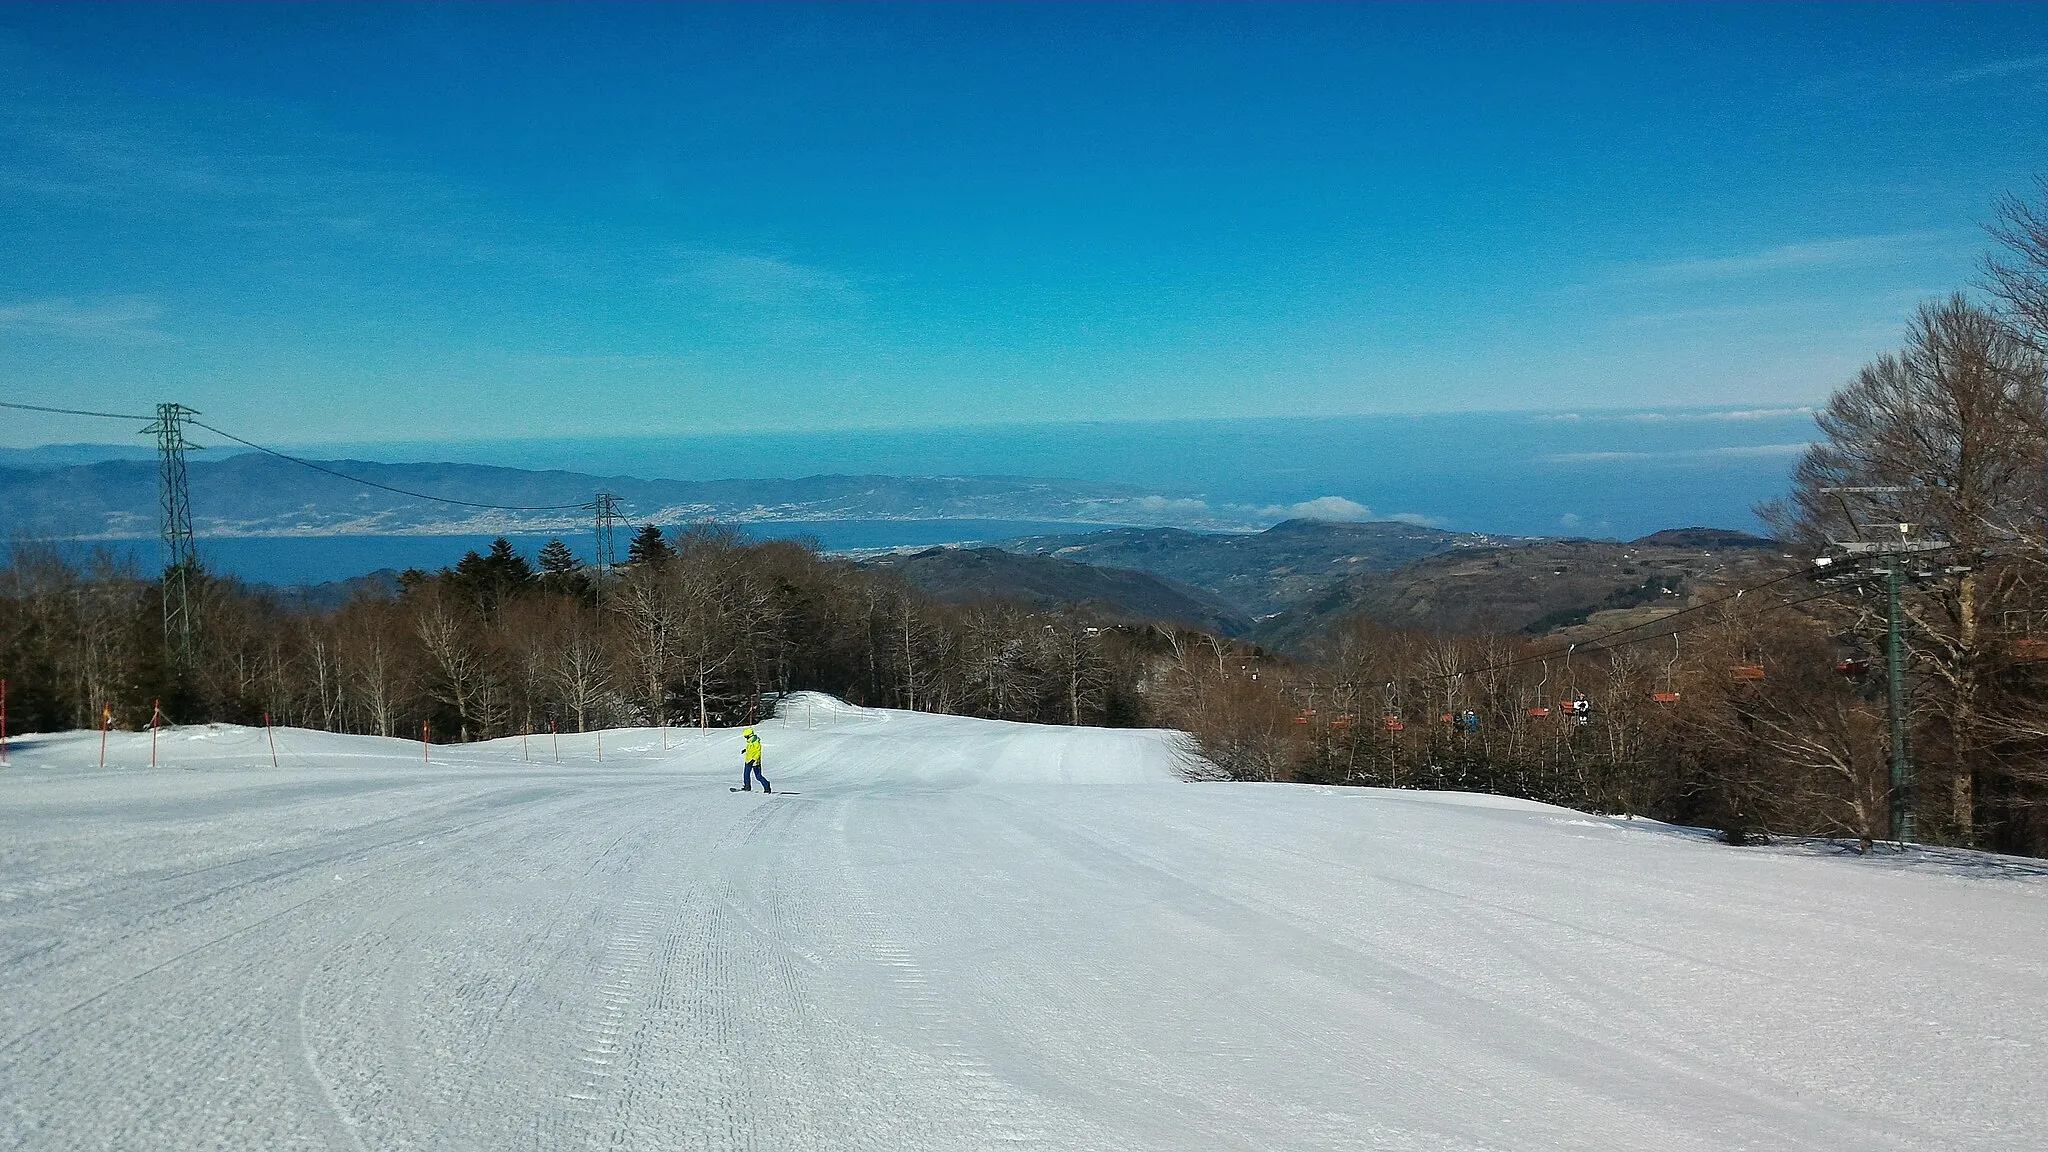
pixel 487 581
pixel 556 560
pixel 506 566
pixel 561 572
pixel 649 547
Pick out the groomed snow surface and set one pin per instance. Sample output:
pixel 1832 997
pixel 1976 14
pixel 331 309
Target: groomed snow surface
pixel 960 934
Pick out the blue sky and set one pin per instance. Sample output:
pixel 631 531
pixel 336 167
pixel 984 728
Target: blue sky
pixel 359 223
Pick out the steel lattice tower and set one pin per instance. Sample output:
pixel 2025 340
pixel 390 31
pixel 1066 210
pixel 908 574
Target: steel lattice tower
pixel 607 514
pixel 181 556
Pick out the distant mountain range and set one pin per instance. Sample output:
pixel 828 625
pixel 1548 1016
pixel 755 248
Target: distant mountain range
pixel 1289 586
pixel 258 495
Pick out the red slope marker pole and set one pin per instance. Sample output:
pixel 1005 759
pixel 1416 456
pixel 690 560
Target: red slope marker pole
pixel 273 739
pixel 106 722
pixel 156 716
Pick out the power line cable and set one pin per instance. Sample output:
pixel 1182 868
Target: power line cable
pixel 387 487
pixel 306 463
pixel 73 411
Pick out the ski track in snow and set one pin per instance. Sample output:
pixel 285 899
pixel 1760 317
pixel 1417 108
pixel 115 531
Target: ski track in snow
pixel 960 934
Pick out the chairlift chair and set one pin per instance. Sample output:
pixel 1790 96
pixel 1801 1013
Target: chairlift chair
pixel 1580 708
pixel 1541 711
pixel 1670 693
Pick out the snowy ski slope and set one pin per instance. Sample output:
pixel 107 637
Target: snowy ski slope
pixel 960 935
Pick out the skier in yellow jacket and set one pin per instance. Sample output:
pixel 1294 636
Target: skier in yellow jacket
pixel 750 771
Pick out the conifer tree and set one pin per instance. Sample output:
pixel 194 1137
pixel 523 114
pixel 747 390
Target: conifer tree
pixel 560 571
pixel 556 560
pixel 649 547
pixel 507 565
pixel 489 580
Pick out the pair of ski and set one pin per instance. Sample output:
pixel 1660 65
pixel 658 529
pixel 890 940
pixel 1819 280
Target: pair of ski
pixel 765 792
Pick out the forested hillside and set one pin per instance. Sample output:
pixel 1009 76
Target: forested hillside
pixel 1125 595
pixel 1258 573
pixel 1532 587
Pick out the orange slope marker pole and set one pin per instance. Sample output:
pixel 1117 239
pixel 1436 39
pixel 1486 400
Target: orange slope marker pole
pixel 424 758
pixel 156 719
pixel 3 721
pixel 106 722
pixel 271 738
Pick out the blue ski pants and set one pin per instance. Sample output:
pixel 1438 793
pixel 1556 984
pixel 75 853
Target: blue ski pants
pixel 750 771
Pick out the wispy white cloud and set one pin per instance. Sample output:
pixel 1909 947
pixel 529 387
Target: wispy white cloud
pixel 305 209
pixel 1735 415
pixel 1793 449
pixel 1587 525
pixel 125 319
pixel 1419 520
pixel 1173 505
pixel 1596 457
pixel 215 166
pixel 1994 69
pixel 1680 455
pixel 751 278
pixel 1759 413
pixel 1321 508
pixel 1677 415
pixel 1196 512
pixel 789 295
pixel 1783 258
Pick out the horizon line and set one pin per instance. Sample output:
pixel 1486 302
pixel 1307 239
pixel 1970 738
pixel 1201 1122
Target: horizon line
pixel 1640 412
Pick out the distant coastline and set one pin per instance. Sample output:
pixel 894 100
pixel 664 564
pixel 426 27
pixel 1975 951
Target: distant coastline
pixel 1617 474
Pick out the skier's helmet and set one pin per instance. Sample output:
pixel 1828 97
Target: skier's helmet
pixel 750 732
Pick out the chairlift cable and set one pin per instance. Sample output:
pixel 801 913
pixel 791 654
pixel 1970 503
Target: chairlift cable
pixel 1596 644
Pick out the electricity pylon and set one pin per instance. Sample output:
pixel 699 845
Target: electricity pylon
pixel 181 556
pixel 606 508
